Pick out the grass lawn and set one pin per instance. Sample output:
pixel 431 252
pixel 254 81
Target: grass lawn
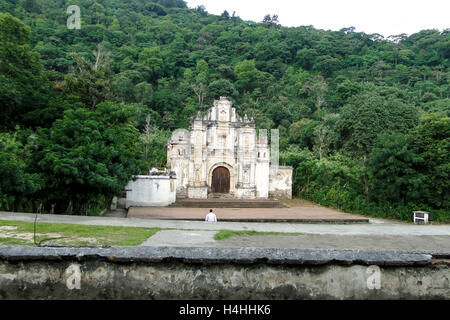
pixel 225 234
pixel 22 233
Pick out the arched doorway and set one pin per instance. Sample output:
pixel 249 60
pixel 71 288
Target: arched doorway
pixel 220 180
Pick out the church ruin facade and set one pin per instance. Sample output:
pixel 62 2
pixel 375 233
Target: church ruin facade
pixel 222 155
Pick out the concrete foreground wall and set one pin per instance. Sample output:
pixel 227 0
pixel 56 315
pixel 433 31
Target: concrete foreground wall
pixel 219 273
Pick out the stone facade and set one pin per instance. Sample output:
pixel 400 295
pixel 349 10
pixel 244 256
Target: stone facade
pixel 222 153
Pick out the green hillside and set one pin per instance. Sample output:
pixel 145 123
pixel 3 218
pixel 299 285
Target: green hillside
pixel 364 120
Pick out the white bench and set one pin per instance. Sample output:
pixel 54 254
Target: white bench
pixel 421 216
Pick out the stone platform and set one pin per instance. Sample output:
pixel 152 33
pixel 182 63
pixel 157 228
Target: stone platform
pixel 226 203
pixel 312 214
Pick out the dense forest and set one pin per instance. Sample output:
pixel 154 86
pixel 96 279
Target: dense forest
pixel 363 119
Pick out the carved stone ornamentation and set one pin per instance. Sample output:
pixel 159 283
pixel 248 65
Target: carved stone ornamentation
pixel 222 153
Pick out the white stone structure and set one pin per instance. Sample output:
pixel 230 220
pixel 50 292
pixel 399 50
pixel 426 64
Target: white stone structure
pixel 222 153
pixel 280 186
pixel 158 189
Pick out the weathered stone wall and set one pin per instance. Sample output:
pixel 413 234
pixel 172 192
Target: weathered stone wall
pixel 197 192
pixel 219 273
pixel 151 191
pixel 262 171
pixel 280 185
pixel 178 151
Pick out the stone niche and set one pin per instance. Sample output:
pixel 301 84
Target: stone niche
pixel 157 189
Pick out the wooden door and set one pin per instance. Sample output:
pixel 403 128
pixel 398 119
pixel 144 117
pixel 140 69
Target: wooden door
pixel 220 180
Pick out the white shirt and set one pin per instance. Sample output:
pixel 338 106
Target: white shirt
pixel 211 217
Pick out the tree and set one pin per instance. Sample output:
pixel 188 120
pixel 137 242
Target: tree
pixel 327 65
pixel 143 93
pixel 322 140
pixel 392 165
pixel 367 115
pixel 198 80
pixel 32 6
pixel 246 74
pixel 303 133
pixel 89 156
pixel 397 40
pixel 317 88
pixel 200 90
pixel 431 142
pixel 154 141
pixel 147 135
pixel 98 13
pixel 225 15
pixel 221 88
pixel 306 58
pixel 21 76
pixel 17 184
pixel 152 58
pixel 156 8
pixel 123 88
pixel 345 90
pixel 89 82
pixel 271 21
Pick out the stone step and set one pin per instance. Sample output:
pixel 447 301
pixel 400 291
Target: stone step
pixel 220 196
pixel 226 203
pixel 117 213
